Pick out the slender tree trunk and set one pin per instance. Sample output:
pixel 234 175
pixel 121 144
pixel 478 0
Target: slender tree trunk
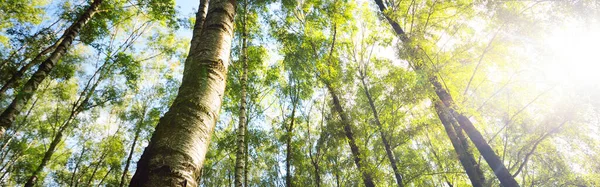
pixel 10 113
pixel 17 75
pixel 469 164
pixel 176 152
pixel 337 175
pixel 77 166
pixel 288 153
pixel 47 156
pixel 240 159
pixel 367 178
pixel 128 162
pixel 317 174
pixel 503 175
pixel 10 165
pixel 23 121
pixel 388 149
pixel 317 171
pixel 315 161
pixel 246 167
pixel 6 172
pixel 84 97
pixel 96 167
pixel 104 178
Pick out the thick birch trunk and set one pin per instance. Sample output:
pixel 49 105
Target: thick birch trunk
pixel 176 152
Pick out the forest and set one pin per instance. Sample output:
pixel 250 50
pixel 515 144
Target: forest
pixel 336 93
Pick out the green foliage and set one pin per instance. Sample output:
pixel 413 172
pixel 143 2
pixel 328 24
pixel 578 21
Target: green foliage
pixel 18 12
pixel 129 68
pixel 124 69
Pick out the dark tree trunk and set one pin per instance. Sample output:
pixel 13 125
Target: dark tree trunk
pixel 104 178
pixel 366 175
pixel 10 113
pixel 388 148
pixel 47 156
pixel 317 175
pixel 465 145
pixel 176 152
pixel 288 157
pixel 128 162
pixel 317 159
pixel 466 159
pixel 506 179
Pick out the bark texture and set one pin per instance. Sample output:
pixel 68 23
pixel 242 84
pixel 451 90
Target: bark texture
pixel 200 18
pixel 17 75
pixel 386 144
pixel 466 159
pixel 240 158
pixel 10 113
pixel 176 152
pixel 484 148
pixel 367 178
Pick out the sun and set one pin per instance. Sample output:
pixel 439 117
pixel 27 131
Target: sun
pixel 574 54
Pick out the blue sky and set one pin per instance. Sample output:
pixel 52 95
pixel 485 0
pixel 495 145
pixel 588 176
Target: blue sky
pixel 187 6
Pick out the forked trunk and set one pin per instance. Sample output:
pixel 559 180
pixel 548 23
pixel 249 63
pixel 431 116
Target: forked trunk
pixel 466 159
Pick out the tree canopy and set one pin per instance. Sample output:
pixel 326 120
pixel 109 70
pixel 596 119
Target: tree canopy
pixel 299 93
